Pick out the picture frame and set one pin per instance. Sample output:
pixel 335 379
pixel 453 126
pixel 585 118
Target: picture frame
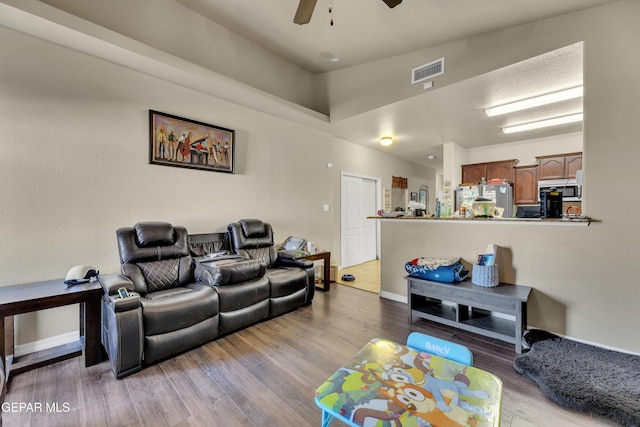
pixel 414 197
pixel 185 143
pixel 486 259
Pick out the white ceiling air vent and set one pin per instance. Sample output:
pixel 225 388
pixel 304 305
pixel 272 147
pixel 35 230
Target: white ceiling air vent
pixel 427 71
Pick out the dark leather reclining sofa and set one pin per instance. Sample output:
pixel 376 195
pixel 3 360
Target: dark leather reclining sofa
pixel 176 303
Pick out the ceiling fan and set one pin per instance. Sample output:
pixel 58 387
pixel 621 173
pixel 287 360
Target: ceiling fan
pixel 305 9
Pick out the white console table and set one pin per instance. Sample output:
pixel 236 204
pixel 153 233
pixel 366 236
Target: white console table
pixel 471 307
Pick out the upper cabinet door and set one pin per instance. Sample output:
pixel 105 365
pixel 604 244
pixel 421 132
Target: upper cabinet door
pixel 501 170
pixel 526 185
pixel 472 174
pixel 551 167
pixel 572 164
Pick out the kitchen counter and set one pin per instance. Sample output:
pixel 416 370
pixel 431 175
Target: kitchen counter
pixel 529 221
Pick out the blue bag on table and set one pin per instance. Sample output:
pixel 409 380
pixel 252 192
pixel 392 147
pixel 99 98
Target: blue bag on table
pixel 444 270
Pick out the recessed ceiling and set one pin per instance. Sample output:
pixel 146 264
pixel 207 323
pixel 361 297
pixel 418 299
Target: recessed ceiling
pixel 367 30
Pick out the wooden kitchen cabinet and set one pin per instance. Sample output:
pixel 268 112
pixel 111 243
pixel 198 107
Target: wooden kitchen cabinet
pixel 525 189
pixel 501 170
pixel 559 166
pixel 473 173
pixel 572 164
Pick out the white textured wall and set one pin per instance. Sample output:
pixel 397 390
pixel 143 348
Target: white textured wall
pixel 74 135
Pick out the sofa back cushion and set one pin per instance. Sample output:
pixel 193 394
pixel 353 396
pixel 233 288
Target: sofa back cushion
pixel 152 234
pixel 160 275
pixel 253 239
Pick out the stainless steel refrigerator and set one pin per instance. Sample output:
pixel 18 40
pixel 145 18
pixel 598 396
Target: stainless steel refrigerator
pixel 465 195
pixel 503 196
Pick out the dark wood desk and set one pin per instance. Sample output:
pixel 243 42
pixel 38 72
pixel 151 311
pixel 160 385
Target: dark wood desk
pixel 326 257
pixel 30 297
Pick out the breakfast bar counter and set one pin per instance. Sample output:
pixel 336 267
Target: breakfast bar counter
pixel 578 221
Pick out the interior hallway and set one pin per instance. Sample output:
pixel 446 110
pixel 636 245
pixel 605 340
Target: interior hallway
pixel 367 276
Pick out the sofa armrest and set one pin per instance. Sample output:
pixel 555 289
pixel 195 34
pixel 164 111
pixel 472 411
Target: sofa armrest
pixel 288 259
pixel 122 333
pixel 112 282
pixel 117 304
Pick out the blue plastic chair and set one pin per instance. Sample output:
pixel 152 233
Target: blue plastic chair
pixel 439 347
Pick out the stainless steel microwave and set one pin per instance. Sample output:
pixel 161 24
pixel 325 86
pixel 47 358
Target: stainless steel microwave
pixel 570 188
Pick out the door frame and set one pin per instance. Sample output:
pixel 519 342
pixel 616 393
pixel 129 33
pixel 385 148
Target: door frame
pixel 379 197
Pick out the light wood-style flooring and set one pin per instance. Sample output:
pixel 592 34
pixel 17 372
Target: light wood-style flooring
pixel 367 276
pixel 264 375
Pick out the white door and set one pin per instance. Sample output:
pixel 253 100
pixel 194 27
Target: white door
pixel 359 234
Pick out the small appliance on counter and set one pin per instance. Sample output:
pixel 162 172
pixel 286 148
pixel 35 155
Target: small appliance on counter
pixel 550 203
pixel 528 211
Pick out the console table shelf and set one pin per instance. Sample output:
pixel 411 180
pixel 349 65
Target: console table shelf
pixel 25 298
pixel 470 307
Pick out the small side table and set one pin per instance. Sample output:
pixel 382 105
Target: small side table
pixel 18 299
pixel 326 258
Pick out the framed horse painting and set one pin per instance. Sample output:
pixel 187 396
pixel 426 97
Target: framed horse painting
pixel 184 143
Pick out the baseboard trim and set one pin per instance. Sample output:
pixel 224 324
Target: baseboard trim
pixel 47 343
pixel 394 297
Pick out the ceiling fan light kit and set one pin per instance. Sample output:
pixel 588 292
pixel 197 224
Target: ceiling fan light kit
pixel 305 10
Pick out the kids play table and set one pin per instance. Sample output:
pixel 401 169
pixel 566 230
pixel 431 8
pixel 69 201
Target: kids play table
pixel 387 381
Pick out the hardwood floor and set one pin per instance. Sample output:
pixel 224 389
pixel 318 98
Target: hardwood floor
pixel 264 375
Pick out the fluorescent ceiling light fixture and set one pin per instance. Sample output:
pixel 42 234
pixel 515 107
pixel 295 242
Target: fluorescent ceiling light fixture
pixel 550 98
pixel 544 123
pixel 386 140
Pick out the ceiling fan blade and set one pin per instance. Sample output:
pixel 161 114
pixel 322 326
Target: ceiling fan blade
pixel 392 3
pixel 304 12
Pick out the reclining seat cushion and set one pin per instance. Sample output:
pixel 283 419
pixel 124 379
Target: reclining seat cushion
pixel 178 308
pixel 286 280
pixel 288 288
pixel 242 304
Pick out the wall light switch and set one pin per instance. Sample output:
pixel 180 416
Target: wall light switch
pixel 325 207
